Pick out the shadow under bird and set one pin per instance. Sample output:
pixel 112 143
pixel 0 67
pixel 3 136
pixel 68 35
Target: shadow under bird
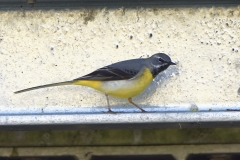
pixel 125 79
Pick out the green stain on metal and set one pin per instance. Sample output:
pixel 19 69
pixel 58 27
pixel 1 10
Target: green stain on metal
pixel 194 108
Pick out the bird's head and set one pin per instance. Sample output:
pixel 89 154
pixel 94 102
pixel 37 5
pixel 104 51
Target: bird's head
pixel 160 62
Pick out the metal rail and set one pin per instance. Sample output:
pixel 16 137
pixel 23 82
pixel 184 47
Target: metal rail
pixel 188 116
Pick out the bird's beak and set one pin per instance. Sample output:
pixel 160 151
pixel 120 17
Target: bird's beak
pixel 171 63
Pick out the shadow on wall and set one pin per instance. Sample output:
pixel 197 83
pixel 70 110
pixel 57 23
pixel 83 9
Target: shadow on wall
pixel 75 4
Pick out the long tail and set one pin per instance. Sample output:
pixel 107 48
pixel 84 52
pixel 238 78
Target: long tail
pixel 45 86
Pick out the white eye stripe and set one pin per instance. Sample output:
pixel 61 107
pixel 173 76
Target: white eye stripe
pixel 159 65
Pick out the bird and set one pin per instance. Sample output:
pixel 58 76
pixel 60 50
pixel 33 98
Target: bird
pixel 124 79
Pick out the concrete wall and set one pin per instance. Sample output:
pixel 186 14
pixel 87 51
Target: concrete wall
pixel 178 152
pixel 41 46
pixel 44 46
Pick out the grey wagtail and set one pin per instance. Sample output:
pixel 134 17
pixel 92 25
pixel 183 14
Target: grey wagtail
pixel 125 79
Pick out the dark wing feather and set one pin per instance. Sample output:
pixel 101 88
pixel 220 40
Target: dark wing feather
pixel 117 71
pixel 107 74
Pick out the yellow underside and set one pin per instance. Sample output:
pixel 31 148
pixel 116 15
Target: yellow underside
pixel 121 88
pixel 89 83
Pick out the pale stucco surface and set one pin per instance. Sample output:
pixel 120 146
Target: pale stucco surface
pixel 41 47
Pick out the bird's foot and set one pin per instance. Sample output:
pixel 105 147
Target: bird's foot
pixel 143 111
pixel 110 111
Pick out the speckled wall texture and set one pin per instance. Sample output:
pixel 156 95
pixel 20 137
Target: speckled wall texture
pixel 41 47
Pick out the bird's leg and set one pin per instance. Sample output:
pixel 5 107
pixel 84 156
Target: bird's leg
pixel 109 109
pixel 130 101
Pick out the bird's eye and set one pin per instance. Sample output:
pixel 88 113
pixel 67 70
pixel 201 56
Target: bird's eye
pixel 161 60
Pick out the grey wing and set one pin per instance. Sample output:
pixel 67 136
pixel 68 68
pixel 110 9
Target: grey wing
pixel 117 71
